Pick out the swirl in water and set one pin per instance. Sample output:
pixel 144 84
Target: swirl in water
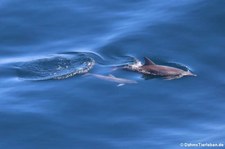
pixel 56 67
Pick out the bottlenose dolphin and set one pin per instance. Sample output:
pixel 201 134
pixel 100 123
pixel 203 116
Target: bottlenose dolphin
pixel 167 72
pixel 120 81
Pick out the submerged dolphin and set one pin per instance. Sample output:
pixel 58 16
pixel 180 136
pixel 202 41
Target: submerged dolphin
pixel 120 81
pixel 150 68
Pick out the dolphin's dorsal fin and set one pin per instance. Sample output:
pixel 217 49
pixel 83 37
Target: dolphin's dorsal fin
pixel 148 61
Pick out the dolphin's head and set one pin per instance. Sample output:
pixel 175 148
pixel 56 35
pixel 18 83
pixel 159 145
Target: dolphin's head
pixel 189 73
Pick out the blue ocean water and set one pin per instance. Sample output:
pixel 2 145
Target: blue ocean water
pixel 83 112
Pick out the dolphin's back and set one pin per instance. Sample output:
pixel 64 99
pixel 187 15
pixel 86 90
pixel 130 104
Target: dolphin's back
pixel 113 79
pixel 162 70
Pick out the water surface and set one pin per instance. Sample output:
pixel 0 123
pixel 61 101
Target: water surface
pixel 86 113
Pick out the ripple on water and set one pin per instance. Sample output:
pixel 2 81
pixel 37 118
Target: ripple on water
pixel 60 66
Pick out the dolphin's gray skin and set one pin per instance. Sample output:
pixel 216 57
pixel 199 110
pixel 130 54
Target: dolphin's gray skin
pixel 167 72
pixel 120 81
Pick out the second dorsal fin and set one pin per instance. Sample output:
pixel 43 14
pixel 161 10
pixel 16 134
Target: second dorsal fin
pixel 148 61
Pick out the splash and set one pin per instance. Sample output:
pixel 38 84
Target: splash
pixel 60 66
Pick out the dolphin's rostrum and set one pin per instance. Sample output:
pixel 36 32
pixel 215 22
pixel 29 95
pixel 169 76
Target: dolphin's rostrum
pixel 167 72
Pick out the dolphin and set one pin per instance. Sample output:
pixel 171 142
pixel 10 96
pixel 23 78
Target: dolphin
pixel 167 72
pixel 120 81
